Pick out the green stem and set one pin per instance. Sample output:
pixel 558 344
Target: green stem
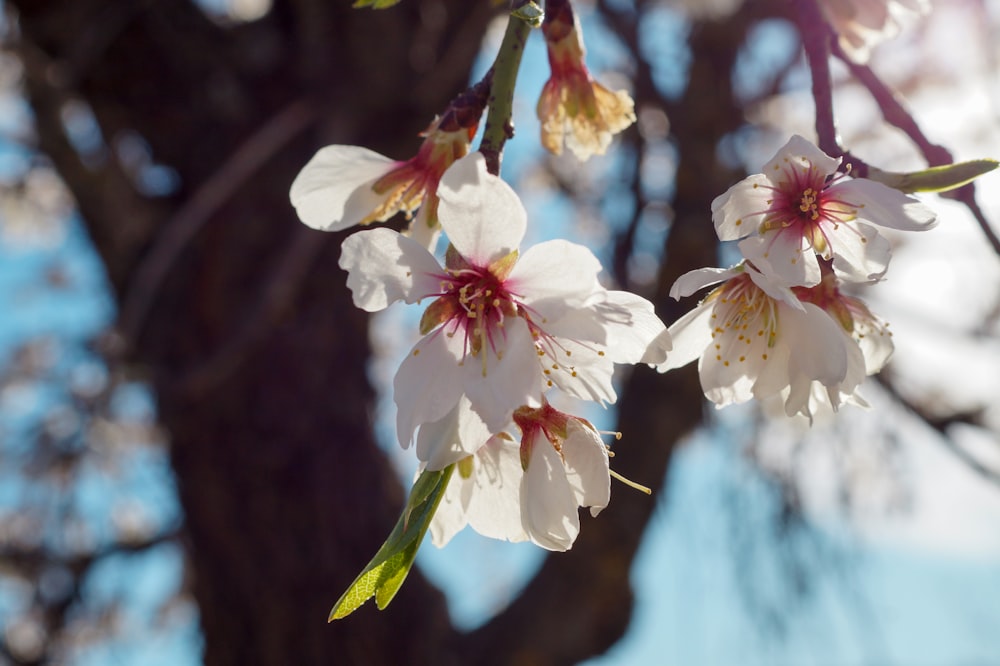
pixel 499 125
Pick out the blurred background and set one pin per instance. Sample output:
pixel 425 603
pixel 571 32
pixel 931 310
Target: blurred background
pixel 196 445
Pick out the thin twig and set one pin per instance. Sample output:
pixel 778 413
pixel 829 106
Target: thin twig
pixel 499 126
pixel 816 39
pixel 896 114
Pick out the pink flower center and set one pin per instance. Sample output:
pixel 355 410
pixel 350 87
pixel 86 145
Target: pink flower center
pixel 807 204
pixel 473 304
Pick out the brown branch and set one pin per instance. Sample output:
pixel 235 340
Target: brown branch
pixel 816 40
pixel 896 114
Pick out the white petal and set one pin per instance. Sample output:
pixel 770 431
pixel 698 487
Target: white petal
pixel 723 378
pixel 690 334
pixel 548 505
pixel 334 189
pixel 861 254
pixel 452 513
pixel 772 376
pixel 772 286
pixel 495 507
pixel 735 211
pixel 481 214
pixel 876 343
pixel 799 153
pixel 783 257
pixel 457 435
pixel 818 344
pixel 583 373
pixel 882 205
pixel 694 280
pixel 632 328
pixel 586 461
pixel 384 266
pixel 509 382
pixel 427 385
pixel 424 233
pixel 555 272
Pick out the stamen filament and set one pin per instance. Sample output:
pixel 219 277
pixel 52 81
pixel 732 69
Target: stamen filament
pixel 630 483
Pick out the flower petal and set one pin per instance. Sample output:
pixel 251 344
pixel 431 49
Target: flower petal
pixel 424 231
pixel 882 205
pixel 334 189
pixel 495 506
pixel 427 385
pixel 556 271
pixel 634 333
pixel 734 211
pixel 480 213
pixel 818 344
pixel 511 378
pixel 799 154
pixel 384 266
pixel 862 253
pixel 586 461
pixel 457 435
pixel 452 513
pixel 690 334
pixel 699 278
pixel 548 504
pixel 782 256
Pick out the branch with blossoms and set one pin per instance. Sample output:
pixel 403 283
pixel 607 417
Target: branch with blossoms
pixel 848 31
pixel 509 336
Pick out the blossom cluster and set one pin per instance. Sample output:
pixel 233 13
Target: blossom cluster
pixel 780 326
pixel 501 329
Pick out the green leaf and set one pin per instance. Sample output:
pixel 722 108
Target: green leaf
pixel 386 572
pixel 375 4
pixel 934 179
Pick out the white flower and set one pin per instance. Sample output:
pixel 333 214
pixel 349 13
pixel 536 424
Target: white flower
pixel 344 186
pixel 501 327
pixel 529 491
pixel 800 207
pixel 862 24
pixel 754 338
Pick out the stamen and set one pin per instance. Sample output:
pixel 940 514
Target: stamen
pixel 631 484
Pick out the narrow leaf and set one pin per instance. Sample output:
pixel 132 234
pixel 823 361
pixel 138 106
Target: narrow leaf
pixel 386 572
pixel 934 179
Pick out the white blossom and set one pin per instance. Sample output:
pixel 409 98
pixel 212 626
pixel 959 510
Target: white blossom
pixel 800 207
pixel 532 490
pixel 501 327
pixel 755 338
pixel 343 186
